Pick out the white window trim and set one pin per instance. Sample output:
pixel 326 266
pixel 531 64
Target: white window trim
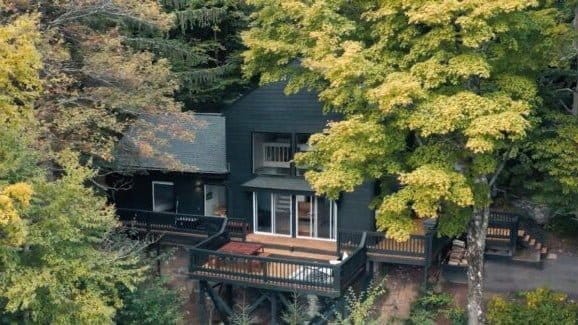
pixel 272 216
pixel 314 222
pixel 153 190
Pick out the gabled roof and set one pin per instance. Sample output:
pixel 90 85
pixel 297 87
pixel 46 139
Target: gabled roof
pixel 204 153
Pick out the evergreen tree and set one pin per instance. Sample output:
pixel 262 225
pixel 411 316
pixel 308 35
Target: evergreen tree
pixel 546 172
pixel 437 93
pixel 203 48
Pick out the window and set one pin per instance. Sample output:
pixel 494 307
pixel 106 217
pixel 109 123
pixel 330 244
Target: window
pixel 164 197
pixel 272 153
pixel 272 213
pixel 313 217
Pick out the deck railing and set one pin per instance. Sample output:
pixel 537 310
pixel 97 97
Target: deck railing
pixel 503 226
pixel 418 249
pixel 291 274
pixel 276 154
pixel 181 223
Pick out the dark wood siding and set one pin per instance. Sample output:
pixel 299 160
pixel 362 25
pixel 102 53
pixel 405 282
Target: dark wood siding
pixel 190 197
pixel 268 109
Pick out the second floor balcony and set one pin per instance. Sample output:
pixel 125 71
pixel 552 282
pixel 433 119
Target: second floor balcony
pixel 273 153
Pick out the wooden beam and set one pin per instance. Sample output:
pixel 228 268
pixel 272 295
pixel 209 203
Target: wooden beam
pixel 220 304
pixel 253 306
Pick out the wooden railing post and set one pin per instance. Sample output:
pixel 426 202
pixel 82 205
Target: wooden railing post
pixel 430 226
pixel 514 236
pixel 338 241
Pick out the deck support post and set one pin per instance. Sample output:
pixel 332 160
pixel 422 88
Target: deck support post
pixel 342 307
pixel 369 275
pixel 273 300
pixel 201 307
pixel 158 257
pixel 425 274
pixel 229 294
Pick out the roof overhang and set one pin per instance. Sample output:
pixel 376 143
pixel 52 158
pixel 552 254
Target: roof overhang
pixel 279 184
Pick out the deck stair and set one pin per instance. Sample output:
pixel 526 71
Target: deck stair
pixel 530 248
pixel 511 237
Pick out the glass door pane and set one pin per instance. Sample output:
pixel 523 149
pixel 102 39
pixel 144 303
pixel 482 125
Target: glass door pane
pixel 282 214
pixel 215 200
pixel 304 216
pixel 326 218
pixel 263 212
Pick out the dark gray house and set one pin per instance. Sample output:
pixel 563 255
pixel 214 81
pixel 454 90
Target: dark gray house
pixel 186 177
pixel 240 165
pixel 264 130
pixel 278 236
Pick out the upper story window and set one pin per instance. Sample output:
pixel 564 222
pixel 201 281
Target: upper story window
pixel 272 153
pixel 164 197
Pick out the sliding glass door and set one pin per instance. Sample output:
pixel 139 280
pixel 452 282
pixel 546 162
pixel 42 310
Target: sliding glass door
pixel 316 217
pixel 313 217
pixel 326 219
pixel 272 213
pixel 305 216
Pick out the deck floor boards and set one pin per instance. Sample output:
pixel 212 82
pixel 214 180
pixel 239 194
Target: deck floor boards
pixel 322 245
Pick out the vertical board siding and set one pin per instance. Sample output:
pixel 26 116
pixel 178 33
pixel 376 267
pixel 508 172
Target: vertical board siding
pixel 268 109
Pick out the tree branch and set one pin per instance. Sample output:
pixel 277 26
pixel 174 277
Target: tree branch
pixel 500 168
pixel 568 110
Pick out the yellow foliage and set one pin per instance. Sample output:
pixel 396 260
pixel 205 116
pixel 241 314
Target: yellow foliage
pixel 398 90
pixel 19 192
pixel 456 78
pixel 20 63
pixel 13 198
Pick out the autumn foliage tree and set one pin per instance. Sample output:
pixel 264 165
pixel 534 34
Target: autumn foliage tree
pixel 62 258
pixel 437 93
pixel 96 85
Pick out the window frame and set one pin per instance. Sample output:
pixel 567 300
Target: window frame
pixel 153 195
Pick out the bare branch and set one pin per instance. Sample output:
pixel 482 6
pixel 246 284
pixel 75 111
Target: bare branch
pixel 500 167
pixel 568 110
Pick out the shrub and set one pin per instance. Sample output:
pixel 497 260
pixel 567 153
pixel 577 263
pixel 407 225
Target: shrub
pixel 540 306
pixel 151 303
pixel 427 308
pixel 563 225
pixel 361 307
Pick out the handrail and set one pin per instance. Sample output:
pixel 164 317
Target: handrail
pixel 177 222
pixel 501 217
pixel 278 271
pixel 214 236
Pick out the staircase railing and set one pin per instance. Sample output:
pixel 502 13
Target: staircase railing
pixel 506 220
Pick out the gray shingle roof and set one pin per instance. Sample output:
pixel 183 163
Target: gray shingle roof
pixel 206 153
pixel 278 183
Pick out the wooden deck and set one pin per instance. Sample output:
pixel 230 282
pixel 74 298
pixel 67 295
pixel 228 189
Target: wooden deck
pixel 297 243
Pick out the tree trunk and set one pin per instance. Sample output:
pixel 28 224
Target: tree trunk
pixel 475 255
pixel 574 110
